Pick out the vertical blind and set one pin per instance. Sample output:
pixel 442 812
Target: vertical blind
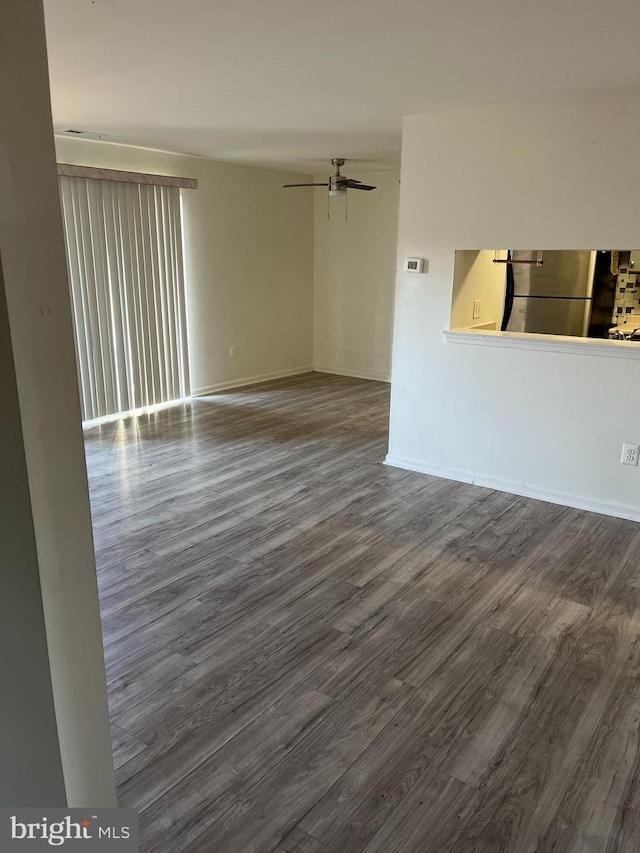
pixel 124 252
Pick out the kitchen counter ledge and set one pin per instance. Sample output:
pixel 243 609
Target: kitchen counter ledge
pixel 554 343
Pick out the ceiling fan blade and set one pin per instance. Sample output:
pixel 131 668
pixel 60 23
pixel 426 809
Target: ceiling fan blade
pixel 356 185
pixel 285 186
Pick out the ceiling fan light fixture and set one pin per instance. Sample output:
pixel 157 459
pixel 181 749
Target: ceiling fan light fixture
pixel 337 184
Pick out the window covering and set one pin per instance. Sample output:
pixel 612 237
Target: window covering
pixel 124 253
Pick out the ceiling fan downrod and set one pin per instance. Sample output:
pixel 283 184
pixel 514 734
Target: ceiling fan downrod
pixel 337 184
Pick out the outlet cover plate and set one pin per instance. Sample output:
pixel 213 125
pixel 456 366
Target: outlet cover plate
pixel 629 454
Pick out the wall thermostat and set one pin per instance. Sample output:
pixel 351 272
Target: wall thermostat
pixel 414 264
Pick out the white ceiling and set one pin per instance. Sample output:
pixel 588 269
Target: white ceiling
pixel 292 83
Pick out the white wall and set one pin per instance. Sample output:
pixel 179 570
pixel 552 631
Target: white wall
pixel 59 528
pixel 476 277
pixel 354 278
pixel 31 768
pixel 544 175
pixel 248 261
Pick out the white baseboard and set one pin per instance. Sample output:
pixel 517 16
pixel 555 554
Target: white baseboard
pixel 435 470
pixel 249 380
pixel 355 374
pixel 515 488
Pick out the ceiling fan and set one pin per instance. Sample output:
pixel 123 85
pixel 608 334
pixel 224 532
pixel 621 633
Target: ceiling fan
pixel 338 184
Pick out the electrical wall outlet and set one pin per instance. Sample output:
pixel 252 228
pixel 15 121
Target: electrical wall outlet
pixel 232 352
pixel 629 454
pixel 476 308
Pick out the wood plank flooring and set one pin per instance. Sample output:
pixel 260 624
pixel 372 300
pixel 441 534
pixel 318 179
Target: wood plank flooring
pixel 309 652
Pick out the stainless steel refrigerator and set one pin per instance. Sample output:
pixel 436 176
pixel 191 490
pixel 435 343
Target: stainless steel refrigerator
pixel 554 298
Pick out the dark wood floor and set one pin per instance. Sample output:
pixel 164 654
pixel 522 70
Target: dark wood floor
pixel 309 652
